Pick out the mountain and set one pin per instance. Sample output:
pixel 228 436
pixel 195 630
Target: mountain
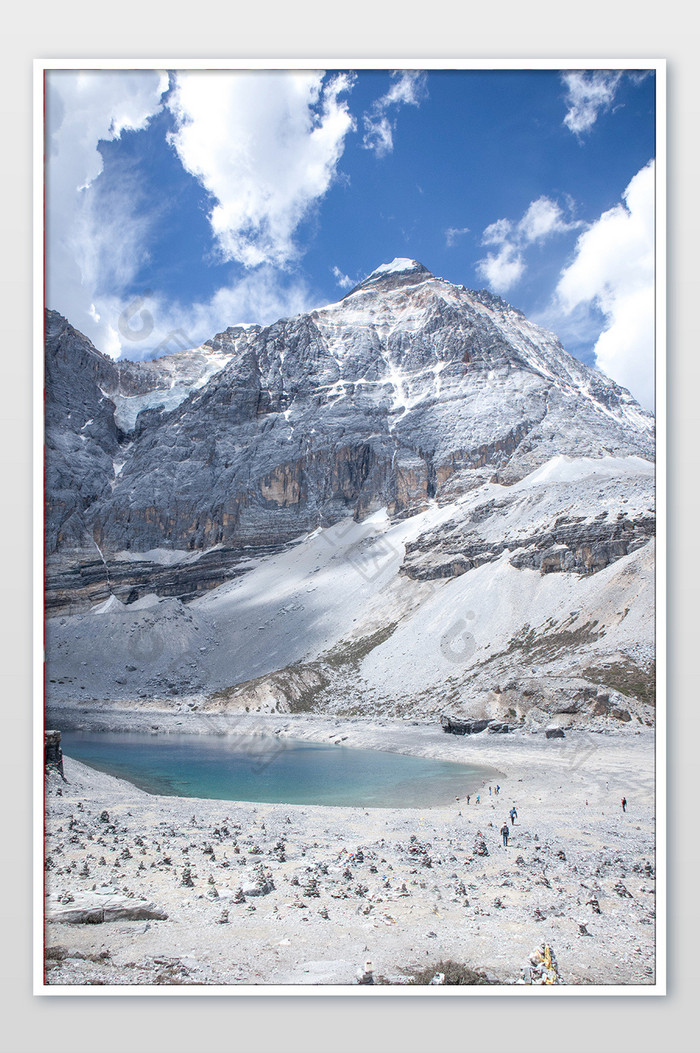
pixel 306 501
pixel 94 408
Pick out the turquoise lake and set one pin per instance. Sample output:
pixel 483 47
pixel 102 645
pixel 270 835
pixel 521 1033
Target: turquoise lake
pixel 272 770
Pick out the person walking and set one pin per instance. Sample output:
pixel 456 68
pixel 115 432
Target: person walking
pixel 513 816
pixel 624 804
pixel 478 799
pixel 468 797
pixel 504 834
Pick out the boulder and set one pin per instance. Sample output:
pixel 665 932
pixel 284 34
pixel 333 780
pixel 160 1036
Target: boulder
pixel 91 908
pixel 497 727
pixel 473 726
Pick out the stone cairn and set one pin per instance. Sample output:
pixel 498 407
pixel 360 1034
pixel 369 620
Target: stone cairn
pixel 542 968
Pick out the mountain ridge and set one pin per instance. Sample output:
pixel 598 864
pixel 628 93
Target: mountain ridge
pixel 410 501
pixel 402 393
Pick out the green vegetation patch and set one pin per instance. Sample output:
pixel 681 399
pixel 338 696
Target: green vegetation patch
pixel 626 677
pixel 550 642
pixel 351 652
pixel 227 694
pixel 303 683
pixel 300 684
pixel 302 699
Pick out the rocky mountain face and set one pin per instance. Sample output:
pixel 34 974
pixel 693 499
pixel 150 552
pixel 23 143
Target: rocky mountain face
pixel 306 501
pixel 409 390
pixel 94 410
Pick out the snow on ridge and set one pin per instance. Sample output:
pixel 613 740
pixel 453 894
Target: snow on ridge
pixel 144 603
pixel 564 469
pixel 165 557
pixel 399 265
pixel 109 606
pixel 203 366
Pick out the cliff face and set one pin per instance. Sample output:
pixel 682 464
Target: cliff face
pixel 574 516
pixel 92 407
pixel 408 501
pixel 408 390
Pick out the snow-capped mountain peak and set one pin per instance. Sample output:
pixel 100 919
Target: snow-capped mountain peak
pixel 364 472
pixel 400 272
pixel 408 390
pixel 399 265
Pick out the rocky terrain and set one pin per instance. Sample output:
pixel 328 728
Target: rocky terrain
pixel 406 514
pixel 409 389
pixel 409 501
pixel 148 890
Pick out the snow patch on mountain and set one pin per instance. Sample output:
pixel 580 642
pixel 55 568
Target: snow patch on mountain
pixel 174 378
pixel 345 496
pixel 399 265
pixel 337 602
pixel 562 469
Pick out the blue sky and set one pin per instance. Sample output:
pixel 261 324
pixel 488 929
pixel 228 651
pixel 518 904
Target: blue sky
pixel 180 203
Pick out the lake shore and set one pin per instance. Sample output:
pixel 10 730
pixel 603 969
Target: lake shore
pixel 226 893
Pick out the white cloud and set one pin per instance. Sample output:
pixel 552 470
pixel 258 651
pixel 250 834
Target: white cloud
pixel 542 218
pixel 453 234
pixel 110 234
pixel 587 93
pixel 93 236
pixel 498 232
pixel 98 232
pixel 613 272
pixel 265 145
pixel 379 134
pixel 408 88
pixel 503 271
pixel 342 280
pixel 135 329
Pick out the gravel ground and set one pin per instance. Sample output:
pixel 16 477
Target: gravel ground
pixel 224 893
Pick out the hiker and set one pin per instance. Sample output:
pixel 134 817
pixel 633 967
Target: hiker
pixel 513 816
pixel 497 789
pixel 468 797
pixel 624 804
pixel 489 791
pixel 504 834
pixel 478 799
